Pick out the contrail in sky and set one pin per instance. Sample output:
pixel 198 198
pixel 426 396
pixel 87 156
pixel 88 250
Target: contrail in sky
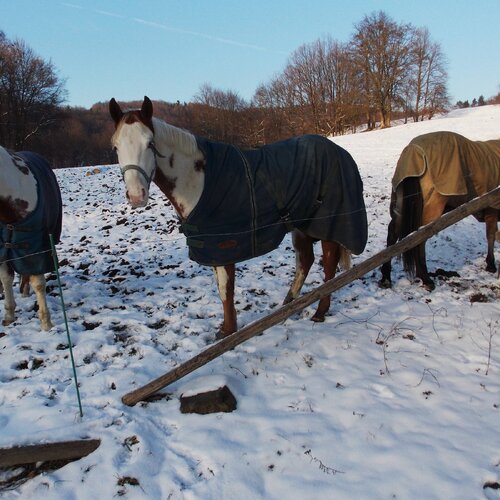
pixel 165 27
pixel 201 35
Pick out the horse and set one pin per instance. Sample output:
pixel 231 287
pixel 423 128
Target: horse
pixel 435 173
pixel 30 210
pixel 236 204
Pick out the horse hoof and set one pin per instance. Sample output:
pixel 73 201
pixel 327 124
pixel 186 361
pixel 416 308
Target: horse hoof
pixel 7 322
pixel 318 318
pixel 385 283
pixel 491 269
pixel 222 335
pixel 429 286
pixel 47 326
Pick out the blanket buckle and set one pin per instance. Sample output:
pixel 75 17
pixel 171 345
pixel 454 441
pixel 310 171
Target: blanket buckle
pixel 285 218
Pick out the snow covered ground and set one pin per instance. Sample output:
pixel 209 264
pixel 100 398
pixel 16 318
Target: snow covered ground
pixel 396 395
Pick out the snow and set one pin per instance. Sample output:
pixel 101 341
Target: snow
pixel 396 395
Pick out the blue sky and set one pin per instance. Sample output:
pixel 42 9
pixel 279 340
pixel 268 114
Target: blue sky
pixel 167 49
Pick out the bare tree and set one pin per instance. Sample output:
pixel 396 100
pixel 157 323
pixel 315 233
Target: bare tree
pixel 430 76
pixel 219 113
pixel 383 54
pixel 318 91
pixel 285 116
pixel 343 88
pixel 30 92
pixel 495 99
pixel 222 99
pixel 305 74
pixel 272 100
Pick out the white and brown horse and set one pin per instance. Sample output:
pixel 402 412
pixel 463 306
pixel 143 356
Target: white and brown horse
pixel 435 173
pixel 178 162
pixel 30 210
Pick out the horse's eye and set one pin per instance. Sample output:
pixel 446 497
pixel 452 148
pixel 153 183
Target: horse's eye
pixel 114 149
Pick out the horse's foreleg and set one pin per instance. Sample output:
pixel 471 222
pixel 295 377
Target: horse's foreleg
pixel 490 219
pixel 331 256
pixel 304 258
pixel 225 284
pixel 386 268
pixel 38 284
pixel 7 279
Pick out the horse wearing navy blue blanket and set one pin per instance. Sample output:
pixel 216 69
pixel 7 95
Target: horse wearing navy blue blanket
pixel 30 210
pixel 234 205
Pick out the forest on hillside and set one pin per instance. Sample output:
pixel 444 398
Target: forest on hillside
pixel 387 70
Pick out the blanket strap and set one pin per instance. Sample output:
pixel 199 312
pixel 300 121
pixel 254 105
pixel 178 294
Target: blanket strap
pixel 188 229
pixel 467 175
pixel 183 227
pixel 278 199
pixel 6 242
pixel 327 182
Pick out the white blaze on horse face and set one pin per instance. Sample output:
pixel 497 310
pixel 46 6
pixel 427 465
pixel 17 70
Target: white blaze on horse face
pixel 132 145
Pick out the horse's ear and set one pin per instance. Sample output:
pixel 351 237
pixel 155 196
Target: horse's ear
pixel 115 111
pixel 147 109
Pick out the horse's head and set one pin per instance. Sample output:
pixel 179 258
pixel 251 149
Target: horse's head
pixel 133 141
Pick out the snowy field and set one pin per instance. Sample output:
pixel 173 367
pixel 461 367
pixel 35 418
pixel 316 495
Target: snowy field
pixel 396 395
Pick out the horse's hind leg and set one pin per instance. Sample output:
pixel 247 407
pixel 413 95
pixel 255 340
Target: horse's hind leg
pixel 304 258
pixel 421 270
pixel 433 208
pixel 392 238
pixel 24 287
pixel 38 284
pixel 7 279
pixel 393 233
pixel 490 219
pixel 332 252
pixel 225 283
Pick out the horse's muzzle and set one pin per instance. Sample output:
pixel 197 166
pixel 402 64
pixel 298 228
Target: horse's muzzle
pixel 137 201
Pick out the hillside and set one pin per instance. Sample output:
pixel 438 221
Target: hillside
pixel 396 395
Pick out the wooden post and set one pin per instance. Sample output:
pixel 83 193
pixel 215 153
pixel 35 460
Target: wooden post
pixel 65 450
pixel 300 303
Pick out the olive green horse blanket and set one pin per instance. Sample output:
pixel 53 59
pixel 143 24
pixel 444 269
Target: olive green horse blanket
pixel 457 165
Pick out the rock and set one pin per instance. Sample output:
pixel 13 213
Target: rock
pixel 218 400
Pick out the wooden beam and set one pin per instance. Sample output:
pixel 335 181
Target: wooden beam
pixel 64 450
pixel 280 314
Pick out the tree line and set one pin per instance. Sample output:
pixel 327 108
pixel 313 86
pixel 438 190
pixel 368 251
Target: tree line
pixel 386 70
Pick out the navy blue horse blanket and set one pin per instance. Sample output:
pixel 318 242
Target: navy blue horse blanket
pixel 19 241
pixel 252 198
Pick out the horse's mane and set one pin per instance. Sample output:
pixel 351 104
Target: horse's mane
pixel 174 136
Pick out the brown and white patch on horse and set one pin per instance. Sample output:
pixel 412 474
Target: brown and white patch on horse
pixel 225 284
pixel 16 178
pixel 129 118
pixel 143 115
pixel 199 166
pixel 20 164
pixel 137 116
pixel 167 186
pixel 13 210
